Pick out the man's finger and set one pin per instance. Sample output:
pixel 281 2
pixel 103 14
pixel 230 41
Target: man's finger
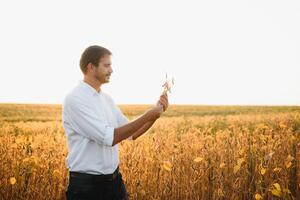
pixel 164 103
pixel 164 97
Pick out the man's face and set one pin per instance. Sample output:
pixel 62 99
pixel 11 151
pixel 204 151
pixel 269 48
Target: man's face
pixel 103 71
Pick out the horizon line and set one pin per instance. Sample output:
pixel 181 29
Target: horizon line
pixel 146 104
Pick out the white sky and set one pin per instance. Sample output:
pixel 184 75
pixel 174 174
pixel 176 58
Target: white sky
pixel 219 52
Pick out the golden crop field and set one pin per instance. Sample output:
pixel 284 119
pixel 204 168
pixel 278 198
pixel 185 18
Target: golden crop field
pixel 192 152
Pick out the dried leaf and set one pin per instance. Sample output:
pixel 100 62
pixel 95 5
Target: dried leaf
pixel 290 158
pixel 282 125
pixel 258 196
pixel 236 168
pixel 167 166
pixel 198 159
pixel 263 171
pixel 276 192
pixel 277 169
pixel 221 193
pixel 12 180
pixel 277 186
pixel 222 165
pixel 288 164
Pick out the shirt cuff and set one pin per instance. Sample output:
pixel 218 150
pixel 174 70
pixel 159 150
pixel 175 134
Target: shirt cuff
pixel 109 136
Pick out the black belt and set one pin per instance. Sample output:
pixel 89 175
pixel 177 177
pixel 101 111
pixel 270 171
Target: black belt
pixel 94 177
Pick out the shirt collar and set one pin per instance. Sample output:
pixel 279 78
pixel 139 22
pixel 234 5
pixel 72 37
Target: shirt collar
pixel 88 88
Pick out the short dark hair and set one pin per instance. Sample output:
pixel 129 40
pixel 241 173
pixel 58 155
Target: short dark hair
pixel 92 54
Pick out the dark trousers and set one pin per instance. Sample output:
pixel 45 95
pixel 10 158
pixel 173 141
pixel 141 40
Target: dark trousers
pixel 93 187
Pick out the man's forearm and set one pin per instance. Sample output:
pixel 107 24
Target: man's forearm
pixel 129 129
pixel 143 130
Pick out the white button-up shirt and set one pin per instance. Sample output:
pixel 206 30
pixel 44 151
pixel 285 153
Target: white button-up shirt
pixel 89 119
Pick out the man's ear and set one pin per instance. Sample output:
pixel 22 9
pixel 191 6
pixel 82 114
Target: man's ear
pixel 89 67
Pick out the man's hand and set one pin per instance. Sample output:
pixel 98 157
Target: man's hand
pixel 163 101
pixel 161 106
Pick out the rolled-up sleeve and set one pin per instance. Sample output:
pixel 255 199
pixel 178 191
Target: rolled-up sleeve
pixel 84 121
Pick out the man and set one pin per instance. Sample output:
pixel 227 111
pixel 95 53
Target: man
pixel 94 126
